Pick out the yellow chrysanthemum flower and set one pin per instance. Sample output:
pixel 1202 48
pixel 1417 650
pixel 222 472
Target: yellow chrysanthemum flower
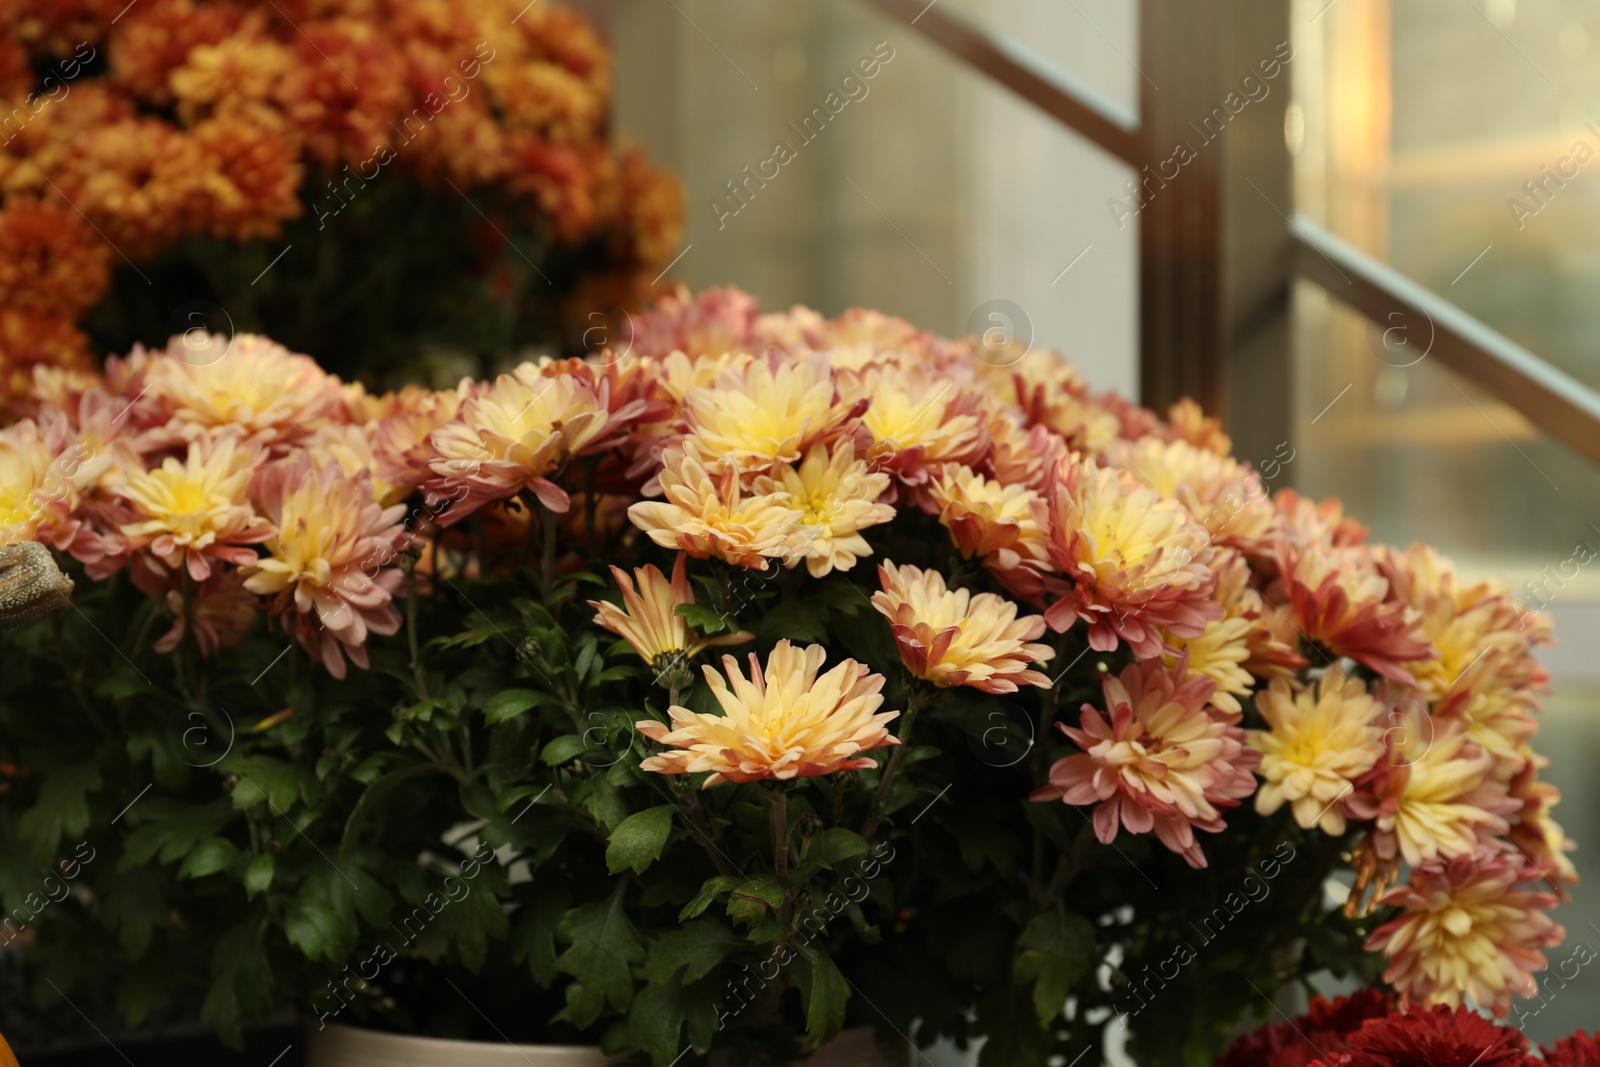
pixel 1438 799
pixel 350 448
pixel 706 517
pixel 912 418
pixel 198 509
pixel 1317 745
pixel 837 495
pixel 649 622
pixel 785 723
pixel 754 417
pixel 953 637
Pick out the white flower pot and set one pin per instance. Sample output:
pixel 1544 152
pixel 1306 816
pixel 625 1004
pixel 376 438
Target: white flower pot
pixel 349 1046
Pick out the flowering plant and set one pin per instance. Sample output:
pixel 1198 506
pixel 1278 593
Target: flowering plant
pixel 1031 712
pixel 169 166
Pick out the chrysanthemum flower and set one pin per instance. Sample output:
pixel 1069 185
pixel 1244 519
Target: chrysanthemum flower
pixel 1188 422
pixel 1020 455
pixel 1315 1037
pixel 785 723
pixel 706 517
pixel 1138 561
pixel 915 420
pixel 1534 833
pixel 649 622
pixel 953 637
pixel 328 569
pixel 837 494
pixel 1227 498
pixel 1439 1037
pixel 753 418
pixel 198 510
pixel 220 614
pixel 1052 393
pixel 1161 762
pixel 1316 746
pixel 1579 1050
pixel 43 475
pixel 1467 928
pixel 1226 647
pixel 1432 796
pixel 350 448
pixel 511 436
pixel 996 523
pixel 250 385
pixel 708 323
pixel 1340 599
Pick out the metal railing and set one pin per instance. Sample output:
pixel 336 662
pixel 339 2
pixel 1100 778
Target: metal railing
pixel 1550 398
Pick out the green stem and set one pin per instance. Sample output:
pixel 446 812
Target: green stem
pixel 547 566
pixel 913 705
pixel 418 676
pixel 780 848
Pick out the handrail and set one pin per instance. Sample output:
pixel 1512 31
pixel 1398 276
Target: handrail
pixel 1549 397
pixel 1061 96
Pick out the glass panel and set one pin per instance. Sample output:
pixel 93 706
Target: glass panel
pixel 929 195
pixel 1459 142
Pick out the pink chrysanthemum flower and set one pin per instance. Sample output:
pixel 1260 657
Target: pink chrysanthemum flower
pixel 1534 833
pixel 221 611
pixel 706 516
pixel 916 421
pixel 1339 599
pixel 512 435
pixel 1467 928
pixel 194 511
pixel 328 570
pixel 995 523
pixel 246 384
pixel 711 322
pixel 1137 561
pixel 953 637
pixel 785 723
pixel 1156 759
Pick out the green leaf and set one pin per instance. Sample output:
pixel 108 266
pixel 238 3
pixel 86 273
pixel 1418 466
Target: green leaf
pixel 509 704
pixel 604 948
pixel 707 620
pixel 173 831
pixel 751 899
pixel 62 809
pixel 823 993
pixel 563 749
pixel 1057 951
pixel 210 856
pixel 693 949
pixel 638 841
pixel 317 930
pixel 659 1014
pixel 709 892
pixel 258 875
pixel 264 778
pixel 836 845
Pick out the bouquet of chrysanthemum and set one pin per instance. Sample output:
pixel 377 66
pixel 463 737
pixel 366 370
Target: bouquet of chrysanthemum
pixel 382 179
pixel 1036 713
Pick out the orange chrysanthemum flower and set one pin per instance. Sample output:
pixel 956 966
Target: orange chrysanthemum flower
pixel 996 523
pixel 953 637
pixel 785 723
pixel 1340 600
